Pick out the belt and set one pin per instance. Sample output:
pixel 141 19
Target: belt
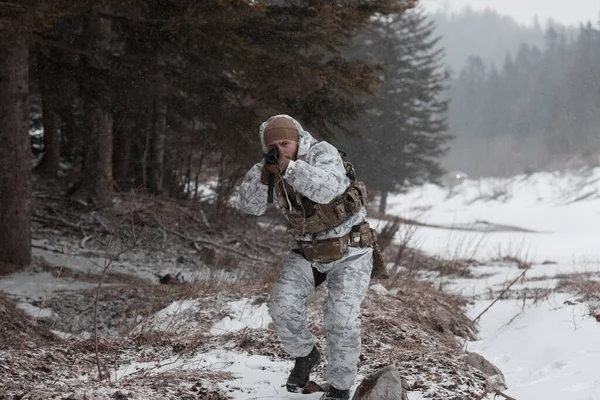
pixel 325 250
pixel 345 238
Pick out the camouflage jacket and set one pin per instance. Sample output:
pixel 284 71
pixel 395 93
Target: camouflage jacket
pixel 318 174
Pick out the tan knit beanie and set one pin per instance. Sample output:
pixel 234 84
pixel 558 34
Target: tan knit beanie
pixel 280 128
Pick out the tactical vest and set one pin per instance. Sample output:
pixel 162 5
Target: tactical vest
pixel 307 217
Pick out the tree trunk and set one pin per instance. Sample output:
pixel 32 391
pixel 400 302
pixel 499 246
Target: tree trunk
pixel 72 130
pixel 97 166
pixel 157 139
pixel 50 162
pixel 383 202
pixel 146 153
pixel 122 154
pixel 15 152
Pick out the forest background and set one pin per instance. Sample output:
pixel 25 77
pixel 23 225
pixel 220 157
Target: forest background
pixel 166 97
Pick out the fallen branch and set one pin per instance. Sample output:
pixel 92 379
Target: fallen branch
pixel 522 274
pixel 106 227
pixel 51 220
pixel 52 249
pixel 84 240
pixel 496 393
pixel 55 220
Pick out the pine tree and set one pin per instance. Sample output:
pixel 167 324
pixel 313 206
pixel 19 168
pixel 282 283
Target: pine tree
pixel 176 83
pixel 404 130
pixel 16 20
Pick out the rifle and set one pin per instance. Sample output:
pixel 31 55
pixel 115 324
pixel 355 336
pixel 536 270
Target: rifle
pixel 272 157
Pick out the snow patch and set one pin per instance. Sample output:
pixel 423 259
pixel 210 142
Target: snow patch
pixel 243 314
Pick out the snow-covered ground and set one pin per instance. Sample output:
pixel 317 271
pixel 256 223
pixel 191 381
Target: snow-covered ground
pixel 562 209
pixel 547 348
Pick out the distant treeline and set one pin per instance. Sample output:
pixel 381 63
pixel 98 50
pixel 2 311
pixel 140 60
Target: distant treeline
pixel 486 34
pixel 540 109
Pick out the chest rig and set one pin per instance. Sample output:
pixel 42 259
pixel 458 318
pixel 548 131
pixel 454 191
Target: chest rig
pixel 306 217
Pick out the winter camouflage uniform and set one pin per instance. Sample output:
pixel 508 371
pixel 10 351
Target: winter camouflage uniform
pixel 319 174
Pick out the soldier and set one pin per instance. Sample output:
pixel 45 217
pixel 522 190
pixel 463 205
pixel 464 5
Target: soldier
pixel 326 215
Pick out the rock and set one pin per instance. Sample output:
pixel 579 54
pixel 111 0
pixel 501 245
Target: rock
pixel 208 255
pixel 385 384
pixel 314 387
pixel 478 362
pixel 169 279
pixel 495 383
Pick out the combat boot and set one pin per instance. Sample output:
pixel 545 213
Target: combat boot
pixel 336 394
pixel 301 372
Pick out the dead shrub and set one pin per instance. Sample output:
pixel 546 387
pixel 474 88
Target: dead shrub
pixel 586 285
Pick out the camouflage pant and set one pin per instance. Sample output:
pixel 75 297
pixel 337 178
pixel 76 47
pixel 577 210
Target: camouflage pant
pixel 347 283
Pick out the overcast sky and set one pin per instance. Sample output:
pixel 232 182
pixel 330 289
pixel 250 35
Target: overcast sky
pixel 569 12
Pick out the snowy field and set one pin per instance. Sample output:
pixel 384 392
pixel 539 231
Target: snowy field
pixel 559 214
pixel 548 349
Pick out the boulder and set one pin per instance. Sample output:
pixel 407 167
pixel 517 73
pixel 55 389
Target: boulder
pixel 385 384
pixel 478 362
pixel 495 383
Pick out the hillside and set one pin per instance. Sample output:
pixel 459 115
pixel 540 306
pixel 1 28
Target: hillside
pixel 203 332
pixel 483 266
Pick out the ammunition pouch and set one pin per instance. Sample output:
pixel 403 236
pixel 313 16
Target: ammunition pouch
pixel 362 235
pixel 379 270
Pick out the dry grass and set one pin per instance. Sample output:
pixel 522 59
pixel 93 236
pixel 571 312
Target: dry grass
pixel 397 239
pixel 586 286
pixel 18 330
pixel 435 309
pixel 417 330
pixel 35 360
